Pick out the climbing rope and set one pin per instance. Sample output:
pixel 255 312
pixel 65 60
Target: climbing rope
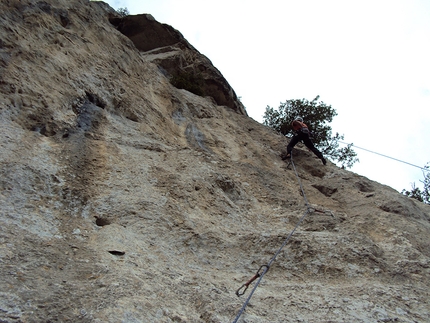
pixel 265 268
pixel 376 153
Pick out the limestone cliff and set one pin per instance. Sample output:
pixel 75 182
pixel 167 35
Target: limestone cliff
pixel 126 197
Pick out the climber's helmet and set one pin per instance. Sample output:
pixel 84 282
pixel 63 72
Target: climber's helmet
pixel 300 119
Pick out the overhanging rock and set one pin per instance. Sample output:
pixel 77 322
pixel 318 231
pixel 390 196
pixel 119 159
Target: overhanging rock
pixel 186 67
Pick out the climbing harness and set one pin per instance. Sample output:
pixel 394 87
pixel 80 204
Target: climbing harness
pixel 265 268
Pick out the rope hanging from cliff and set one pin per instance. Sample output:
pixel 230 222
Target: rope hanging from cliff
pixel 376 153
pixel 265 268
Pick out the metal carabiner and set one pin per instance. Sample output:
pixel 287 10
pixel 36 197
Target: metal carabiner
pixel 239 293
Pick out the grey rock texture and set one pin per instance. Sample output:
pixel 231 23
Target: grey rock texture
pixel 126 199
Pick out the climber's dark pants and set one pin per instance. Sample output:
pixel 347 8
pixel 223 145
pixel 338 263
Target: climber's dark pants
pixel 306 140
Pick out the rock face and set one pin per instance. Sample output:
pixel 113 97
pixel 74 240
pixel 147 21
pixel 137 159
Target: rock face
pixel 126 199
pixel 181 62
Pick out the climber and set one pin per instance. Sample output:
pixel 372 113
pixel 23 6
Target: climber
pixel 302 134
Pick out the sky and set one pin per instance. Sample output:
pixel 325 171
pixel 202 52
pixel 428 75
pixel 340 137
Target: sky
pixel 368 59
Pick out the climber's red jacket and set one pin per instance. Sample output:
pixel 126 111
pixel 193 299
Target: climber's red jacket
pixel 297 125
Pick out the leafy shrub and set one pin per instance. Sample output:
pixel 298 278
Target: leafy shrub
pixel 123 12
pixel 416 192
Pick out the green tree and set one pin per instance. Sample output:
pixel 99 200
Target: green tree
pixel 418 194
pixel 317 116
pixel 123 12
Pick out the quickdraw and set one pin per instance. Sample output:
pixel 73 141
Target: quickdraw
pixel 261 273
pixel 242 289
